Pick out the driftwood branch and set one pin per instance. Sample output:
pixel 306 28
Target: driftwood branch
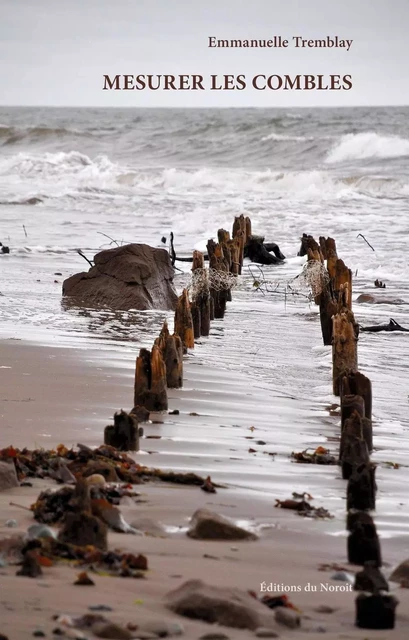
pixel 362 236
pixel 109 238
pixel 91 264
pixel 392 326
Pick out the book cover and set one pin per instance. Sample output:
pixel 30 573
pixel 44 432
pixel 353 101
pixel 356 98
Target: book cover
pixel 203 303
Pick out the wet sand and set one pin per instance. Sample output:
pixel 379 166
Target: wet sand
pixel 51 395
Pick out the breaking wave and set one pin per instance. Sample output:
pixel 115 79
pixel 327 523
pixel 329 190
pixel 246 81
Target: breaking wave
pixel 75 174
pixel 362 146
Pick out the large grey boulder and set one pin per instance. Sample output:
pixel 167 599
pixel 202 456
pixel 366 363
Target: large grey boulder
pixel 207 525
pixel 8 476
pixel 134 276
pixel 230 607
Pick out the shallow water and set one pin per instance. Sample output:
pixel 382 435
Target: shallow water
pixel 326 172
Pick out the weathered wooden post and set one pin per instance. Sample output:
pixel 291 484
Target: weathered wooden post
pixel 184 321
pixel 356 383
pixel 343 278
pixel 344 347
pixel 363 542
pixel 150 380
pixel 217 262
pixel 124 433
pixel 361 488
pixel 239 231
pixel 375 611
pixel 171 349
pixel 353 450
pixel 200 295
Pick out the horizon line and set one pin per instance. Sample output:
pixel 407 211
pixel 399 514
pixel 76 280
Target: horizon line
pixel 73 106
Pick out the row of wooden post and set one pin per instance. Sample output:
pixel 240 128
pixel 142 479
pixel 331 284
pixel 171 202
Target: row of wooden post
pixel 340 329
pixel 161 368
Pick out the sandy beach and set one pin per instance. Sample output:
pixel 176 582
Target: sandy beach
pixel 49 393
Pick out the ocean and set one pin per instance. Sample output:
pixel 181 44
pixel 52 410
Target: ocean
pixel 71 177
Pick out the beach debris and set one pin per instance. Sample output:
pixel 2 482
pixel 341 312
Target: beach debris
pixel 400 573
pixel 30 566
pixel 150 380
pixel 391 326
pixel 375 611
pixel 175 412
pixel 4 249
pixel 100 607
pixel 133 276
pixel 363 542
pixel 379 284
pixel 171 349
pixel 370 579
pixel 208 486
pixel 303 508
pixel 258 251
pixel 113 465
pixel 225 606
pixel 331 566
pixel 276 601
pixel 320 455
pixel 83 579
pixel 38 633
pixel 287 617
pixel 107 629
pixel 96 480
pixel 8 477
pixel 208 525
pixel 124 433
pixel 301 496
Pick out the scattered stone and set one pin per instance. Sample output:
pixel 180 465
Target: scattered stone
pixel 12 524
pixel 401 572
pixel 111 630
pixel 100 607
pixel 207 525
pixel 343 576
pixel 323 608
pixel 8 476
pixel 175 412
pixel 162 628
pixel 230 607
pixel 287 617
pixel 39 634
pixel 96 480
pixel 83 579
pixel 39 531
pixel 265 633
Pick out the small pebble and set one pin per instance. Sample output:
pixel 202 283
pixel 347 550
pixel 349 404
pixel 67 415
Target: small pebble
pixel 323 608
pixel 96 479
pixel 263 632
pixel 287 617
pixel 39 634
pixel 11 523
pixel 100 607
pixel 164 629
pixel 175 412
pixel 39 531
pixel 343 576
pixel 25 483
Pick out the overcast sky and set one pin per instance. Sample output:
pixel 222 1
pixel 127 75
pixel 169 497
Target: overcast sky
pixel 55 52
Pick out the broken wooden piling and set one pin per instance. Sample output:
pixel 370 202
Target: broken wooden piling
pixel 171 349
pixel 184 321
pixel 150 380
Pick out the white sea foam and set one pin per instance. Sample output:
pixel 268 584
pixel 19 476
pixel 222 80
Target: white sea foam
pixel 285 138
pixel 362 146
